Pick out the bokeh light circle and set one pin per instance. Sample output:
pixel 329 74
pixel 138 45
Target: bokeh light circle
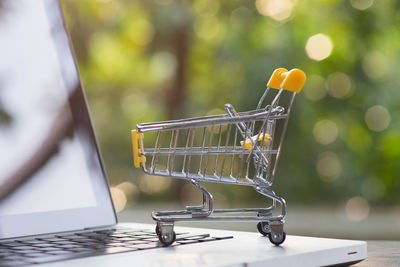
pixel 328 166
pixel 325 132
pixel 357 209
pixel 377 118
pixel 339 85
pixel 377 65
pixel 361 4
pixel 319 46
pixel 278 10
pixel 119 198
pixel 153 184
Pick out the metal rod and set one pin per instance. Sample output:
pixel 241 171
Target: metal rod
pixel 233 155
pixel 190 155
pixel 282 136
pixel 154 155
pixel 186 148
pixel 228 134
pixel 199 151
pixel 218 146
pixel 259 106
pixel 173 158
pixel 170 148
pixel 202 147
pixel 215 120
pixel 158 150
pixel 209 147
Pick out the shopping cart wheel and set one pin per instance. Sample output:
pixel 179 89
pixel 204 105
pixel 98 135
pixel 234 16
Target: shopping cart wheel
pixel 158 230
pixel 263 228
pixel 277 238
pixel 167 239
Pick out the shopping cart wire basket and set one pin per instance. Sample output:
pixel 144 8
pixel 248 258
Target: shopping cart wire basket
pixel 240 148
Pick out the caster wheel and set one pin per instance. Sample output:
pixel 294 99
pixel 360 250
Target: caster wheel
pixel 167 239
pixel 263 228
pixel 277 239
pixel 158 232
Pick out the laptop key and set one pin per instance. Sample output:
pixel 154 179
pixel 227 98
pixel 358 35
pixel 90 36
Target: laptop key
pixel 44 245
pixel 105 231
pixel 49 249
pixel 13 263
pixel 5 254
pixel 65 235
pixel 5 250
pixel 126 239
pixel 28 251
pixel 69 246
pixel 32 241
pixel 89 245
pixel 118 244
pixel 65 243
pixel 56 239
pixel 60 252
pixel 83 250
pixel 35 255
pixel 119 235
pixel 81 239
pixel 98 247
pixel 22 248
pixel 137 242
pixel 12 257
pixel 10 244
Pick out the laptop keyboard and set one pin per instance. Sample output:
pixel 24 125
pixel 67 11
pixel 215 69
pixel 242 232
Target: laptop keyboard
pixel 86 244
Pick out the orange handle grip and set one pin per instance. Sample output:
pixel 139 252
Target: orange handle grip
pixel 292 80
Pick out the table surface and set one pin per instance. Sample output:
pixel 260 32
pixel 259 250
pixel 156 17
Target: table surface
pixel 382 253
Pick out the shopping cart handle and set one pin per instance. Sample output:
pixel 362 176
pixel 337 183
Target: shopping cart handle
pixel 137 159
pixel 292 80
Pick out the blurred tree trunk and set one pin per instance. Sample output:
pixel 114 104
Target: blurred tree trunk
pixel 177 92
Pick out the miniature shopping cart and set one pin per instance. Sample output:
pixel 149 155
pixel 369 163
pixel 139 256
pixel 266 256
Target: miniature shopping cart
pixel 233 148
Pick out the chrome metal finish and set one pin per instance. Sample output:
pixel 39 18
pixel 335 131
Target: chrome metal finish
pixel 241 148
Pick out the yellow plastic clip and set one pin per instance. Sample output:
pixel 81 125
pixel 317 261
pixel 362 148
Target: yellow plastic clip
pixel 137 159
pixel 292 80
pixel 248 143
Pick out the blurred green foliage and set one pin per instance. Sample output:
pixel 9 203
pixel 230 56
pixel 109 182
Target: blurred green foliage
pixel 155 60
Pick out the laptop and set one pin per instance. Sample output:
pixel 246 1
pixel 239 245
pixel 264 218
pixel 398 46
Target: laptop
pixel 56 207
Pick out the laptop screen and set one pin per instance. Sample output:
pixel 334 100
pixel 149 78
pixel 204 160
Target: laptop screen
pixel 50 170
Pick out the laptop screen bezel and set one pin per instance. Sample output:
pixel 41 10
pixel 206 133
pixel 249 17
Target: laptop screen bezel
pixel 101 215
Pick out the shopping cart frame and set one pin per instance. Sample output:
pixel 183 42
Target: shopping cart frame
pixel 267 224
